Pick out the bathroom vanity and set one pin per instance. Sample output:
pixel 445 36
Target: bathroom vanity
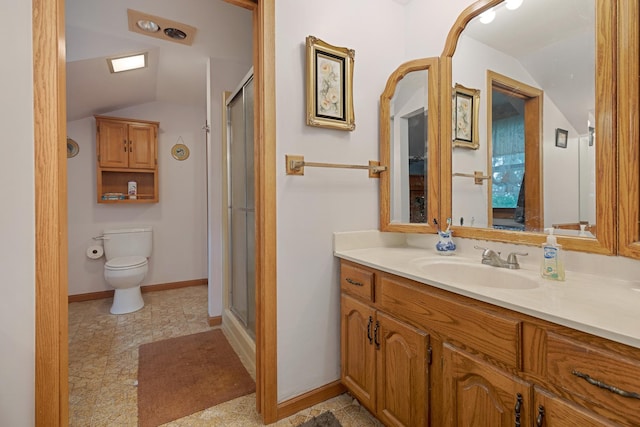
pixel 518 350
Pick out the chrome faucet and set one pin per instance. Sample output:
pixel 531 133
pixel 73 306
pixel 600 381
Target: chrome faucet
pixel 493 258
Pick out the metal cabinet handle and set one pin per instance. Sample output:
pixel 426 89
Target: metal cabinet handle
pixel 605 386
pixel 369 330
pixel 518 408
pixel 353 282
pixel 540 417
pixel 375 334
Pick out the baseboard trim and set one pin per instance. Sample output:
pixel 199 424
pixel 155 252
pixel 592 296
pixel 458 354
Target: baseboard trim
pixel 91 296
pixel 307 400
pixel 173 285
pixel 215 320
pixel 147 288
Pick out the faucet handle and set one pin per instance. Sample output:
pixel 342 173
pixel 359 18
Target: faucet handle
pixel 513 260
pixel 486 251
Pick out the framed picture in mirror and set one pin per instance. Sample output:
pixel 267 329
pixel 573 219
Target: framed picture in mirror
pixel 561 138
pixel 329 85
pixel 466 107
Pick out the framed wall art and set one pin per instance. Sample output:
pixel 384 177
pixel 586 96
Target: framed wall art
pixel 329 85
pixel 466 107
pixel 561 138
pixel 72 148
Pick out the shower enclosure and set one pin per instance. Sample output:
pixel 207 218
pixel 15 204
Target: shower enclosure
pixel 240 139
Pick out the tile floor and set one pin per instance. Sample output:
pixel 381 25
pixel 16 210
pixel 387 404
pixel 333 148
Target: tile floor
pixel 103 365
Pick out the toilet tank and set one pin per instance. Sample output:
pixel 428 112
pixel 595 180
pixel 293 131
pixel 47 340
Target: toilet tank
pixel 122 242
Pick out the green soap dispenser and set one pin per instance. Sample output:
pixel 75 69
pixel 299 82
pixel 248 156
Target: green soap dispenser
pixel 552 265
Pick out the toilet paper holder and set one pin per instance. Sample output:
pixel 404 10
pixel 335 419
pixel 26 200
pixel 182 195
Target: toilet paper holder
pixel 95 252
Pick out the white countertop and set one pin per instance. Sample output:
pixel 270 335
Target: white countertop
pixel 602 306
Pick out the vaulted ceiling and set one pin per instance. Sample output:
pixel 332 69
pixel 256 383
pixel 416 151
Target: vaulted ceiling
pixel 98 29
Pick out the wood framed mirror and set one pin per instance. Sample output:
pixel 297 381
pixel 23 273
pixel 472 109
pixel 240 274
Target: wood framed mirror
pixel 538 178
pixel 629 129
pixel 409 141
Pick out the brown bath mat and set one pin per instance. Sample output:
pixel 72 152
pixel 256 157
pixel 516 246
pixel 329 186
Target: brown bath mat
pixel 326 419
pixel 180 376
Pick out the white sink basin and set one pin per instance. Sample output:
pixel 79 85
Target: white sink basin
pixel 469 275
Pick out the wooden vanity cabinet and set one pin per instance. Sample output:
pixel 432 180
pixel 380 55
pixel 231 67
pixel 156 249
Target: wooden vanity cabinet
pixel 127 151
pixel 384 361
pixel 563 413
pixel 486 366
pixel 477 393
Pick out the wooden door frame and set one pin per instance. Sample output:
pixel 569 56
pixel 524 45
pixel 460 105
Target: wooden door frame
pixel 51 323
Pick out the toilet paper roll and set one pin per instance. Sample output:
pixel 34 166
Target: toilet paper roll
pixel 95 251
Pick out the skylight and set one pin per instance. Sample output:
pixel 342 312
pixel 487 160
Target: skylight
pixel 126 63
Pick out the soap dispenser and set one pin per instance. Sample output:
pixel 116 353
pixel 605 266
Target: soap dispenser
pixel 552 265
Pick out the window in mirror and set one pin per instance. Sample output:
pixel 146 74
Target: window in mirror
pixel 507 160
pixel 514 123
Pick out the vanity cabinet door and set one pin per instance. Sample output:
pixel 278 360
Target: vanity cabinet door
pixel 479 394
pixel 553 411
pixel 358 350
pixel 402 372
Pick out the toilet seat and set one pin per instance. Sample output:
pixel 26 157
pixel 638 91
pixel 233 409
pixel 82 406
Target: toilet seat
pixel 125 263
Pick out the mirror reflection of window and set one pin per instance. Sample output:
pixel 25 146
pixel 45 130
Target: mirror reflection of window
pixel 508 160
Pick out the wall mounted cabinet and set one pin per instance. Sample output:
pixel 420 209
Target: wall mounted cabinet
pixel 127 150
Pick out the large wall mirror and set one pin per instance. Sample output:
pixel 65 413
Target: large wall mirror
pixel 546 119
pixel 409 145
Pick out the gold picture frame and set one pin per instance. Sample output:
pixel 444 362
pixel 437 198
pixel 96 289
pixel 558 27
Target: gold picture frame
pixel 329 85
pixel 466 107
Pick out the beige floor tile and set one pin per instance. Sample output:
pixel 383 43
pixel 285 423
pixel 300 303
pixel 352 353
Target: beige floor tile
pixel 103 365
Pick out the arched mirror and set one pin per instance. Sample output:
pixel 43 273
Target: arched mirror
pixel 534 161
pixel 409 145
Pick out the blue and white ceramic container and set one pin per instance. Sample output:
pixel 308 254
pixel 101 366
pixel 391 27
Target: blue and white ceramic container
pixel 445 245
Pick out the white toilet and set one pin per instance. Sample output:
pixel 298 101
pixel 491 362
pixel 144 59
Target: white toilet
pixel 126 251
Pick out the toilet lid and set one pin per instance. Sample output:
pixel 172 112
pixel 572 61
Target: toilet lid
pixel 125 262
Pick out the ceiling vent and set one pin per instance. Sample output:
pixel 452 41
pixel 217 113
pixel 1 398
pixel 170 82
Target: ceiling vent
pixel 160 28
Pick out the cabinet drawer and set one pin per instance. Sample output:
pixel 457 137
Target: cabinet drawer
pixel 596 375
pixel 356 281
pixel 496 336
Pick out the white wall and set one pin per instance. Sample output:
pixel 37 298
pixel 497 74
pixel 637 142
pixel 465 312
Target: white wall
pixel 17 219
pixel 178 220
pixel 312 207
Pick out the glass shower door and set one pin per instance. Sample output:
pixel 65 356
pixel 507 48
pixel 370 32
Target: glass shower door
pixel 241 206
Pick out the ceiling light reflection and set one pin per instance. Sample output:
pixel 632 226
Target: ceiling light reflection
pixel 487 16
pixel 513 4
